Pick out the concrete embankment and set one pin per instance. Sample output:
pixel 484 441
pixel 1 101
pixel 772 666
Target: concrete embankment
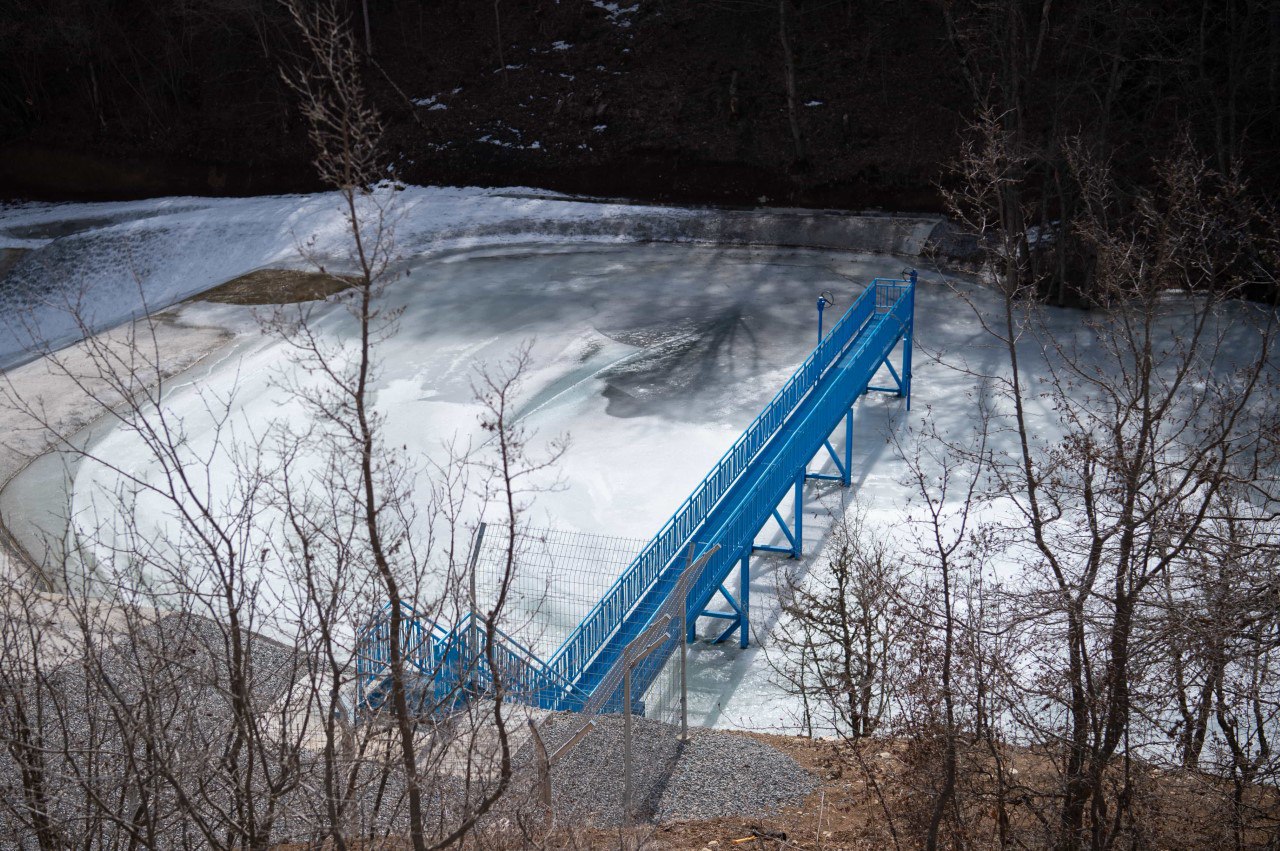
pixel 45 404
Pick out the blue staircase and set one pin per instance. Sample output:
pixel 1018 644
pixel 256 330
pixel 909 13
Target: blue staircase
pixel 728 508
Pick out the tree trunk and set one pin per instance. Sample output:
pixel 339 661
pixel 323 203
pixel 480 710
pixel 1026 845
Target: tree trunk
pixel 789 74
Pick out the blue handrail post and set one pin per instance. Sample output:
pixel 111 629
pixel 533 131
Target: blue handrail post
pixel 908 339
pixel 822 304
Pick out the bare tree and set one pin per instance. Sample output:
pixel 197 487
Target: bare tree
pixel 948 544
pixel 193 684
pixel 839 649
pixel 1157 419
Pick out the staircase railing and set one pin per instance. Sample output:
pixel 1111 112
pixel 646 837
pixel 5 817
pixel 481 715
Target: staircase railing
pixel 875 321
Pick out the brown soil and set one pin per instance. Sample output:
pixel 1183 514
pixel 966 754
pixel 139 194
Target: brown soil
pixel 9 258
pixel 875 795
pixel 860 783
pixel 277 286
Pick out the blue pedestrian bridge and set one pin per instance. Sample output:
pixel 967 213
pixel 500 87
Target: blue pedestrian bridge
pixel 717 525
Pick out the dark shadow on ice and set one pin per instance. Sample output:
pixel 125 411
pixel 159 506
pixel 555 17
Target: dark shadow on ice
pixel 705 359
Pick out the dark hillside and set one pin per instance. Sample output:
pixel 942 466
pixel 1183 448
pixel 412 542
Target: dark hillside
pixel 662 99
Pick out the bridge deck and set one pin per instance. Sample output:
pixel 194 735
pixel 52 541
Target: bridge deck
pixel 880 321
pixel 728 509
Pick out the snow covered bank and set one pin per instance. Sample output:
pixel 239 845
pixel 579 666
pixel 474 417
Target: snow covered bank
pixel 50 401
pixel 112 262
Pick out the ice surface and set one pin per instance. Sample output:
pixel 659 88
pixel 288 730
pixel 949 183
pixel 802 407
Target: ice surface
pixel 652 357
pixel 631 346
pixel 97 265
pixel 92 266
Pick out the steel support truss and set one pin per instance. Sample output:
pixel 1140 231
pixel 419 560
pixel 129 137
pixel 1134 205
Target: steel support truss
pixel 739 617
pixel 901 380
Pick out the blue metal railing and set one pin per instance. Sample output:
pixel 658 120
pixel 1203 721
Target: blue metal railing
pixel 728 507
pixel 889 306
pixel 445 659
pixel 422 650
pixel 601 621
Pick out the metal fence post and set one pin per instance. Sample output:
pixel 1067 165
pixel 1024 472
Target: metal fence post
pixel 545 763
pixel 544 773
pixel 633 654
pixel 626 744
pixel 684 669
pixel 473 656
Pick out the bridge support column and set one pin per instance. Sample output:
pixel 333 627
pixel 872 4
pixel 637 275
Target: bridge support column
pixel 906 361
pixel 844 468
pixel 908 337
pixel 795 532
pixel 848 448
pixel 744 599
pixel 797 528
pixel 740 618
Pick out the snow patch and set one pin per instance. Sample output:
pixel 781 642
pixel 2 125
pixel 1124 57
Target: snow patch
pixel 617 13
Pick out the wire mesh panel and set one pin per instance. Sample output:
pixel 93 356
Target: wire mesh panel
pixel 654 648
pixel 556 577
pixel 662 699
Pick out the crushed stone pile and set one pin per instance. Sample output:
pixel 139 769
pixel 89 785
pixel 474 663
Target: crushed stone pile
pixel 715 774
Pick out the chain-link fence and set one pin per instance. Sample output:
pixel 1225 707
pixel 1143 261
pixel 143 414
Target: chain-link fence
pixel 557 577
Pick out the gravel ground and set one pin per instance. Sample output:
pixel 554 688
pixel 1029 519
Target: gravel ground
pixel 723 774
pixel 161 696
pixel 714 774
pixel 156 704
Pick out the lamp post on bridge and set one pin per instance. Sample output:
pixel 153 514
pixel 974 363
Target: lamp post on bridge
pixel 826 297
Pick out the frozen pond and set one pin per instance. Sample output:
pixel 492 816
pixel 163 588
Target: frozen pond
pixel 651 358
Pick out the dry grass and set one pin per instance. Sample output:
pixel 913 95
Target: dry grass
pixel 277 286
pixel 859 783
